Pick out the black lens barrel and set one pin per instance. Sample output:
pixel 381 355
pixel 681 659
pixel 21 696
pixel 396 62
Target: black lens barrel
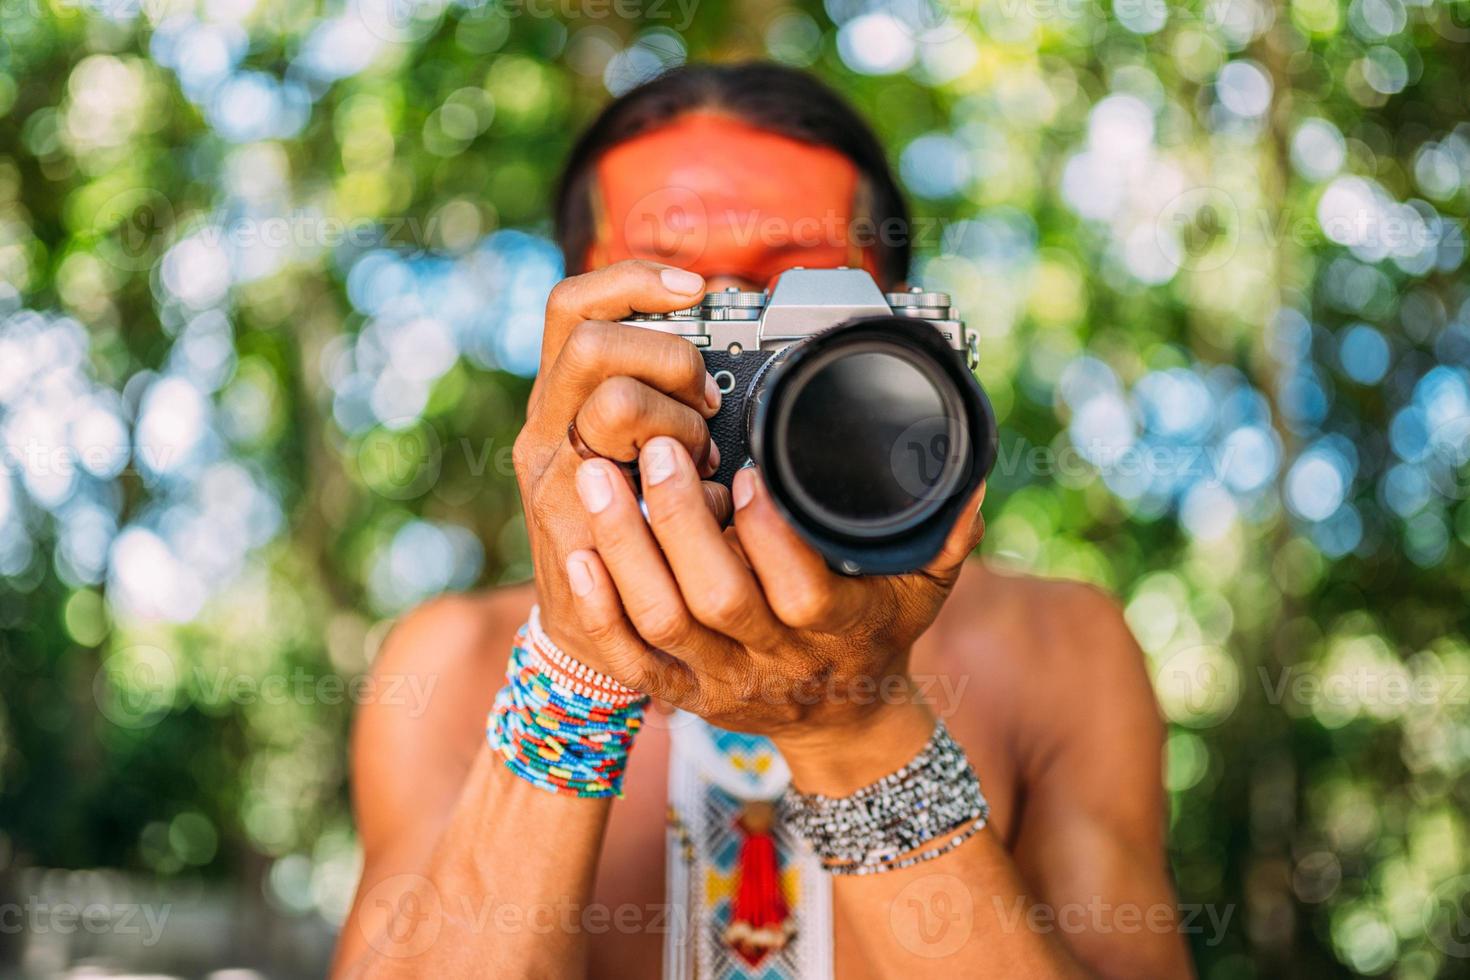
pixel 872 437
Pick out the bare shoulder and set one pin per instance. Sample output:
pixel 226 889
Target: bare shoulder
pixel 1036 622
pixel 1060 651
pixel 434 679
pixel 438 634
pixel 1069 690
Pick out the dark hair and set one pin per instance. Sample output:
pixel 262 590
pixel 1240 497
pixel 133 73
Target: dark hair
pixel 769 96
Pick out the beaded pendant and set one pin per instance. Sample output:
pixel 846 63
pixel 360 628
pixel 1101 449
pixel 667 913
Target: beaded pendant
pixel 750 901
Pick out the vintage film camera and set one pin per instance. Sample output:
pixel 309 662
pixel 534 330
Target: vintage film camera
pixel 861 410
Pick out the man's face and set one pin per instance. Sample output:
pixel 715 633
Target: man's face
pixel 737 204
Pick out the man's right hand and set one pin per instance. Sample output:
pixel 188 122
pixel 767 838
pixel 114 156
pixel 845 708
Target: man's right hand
pixel 622 386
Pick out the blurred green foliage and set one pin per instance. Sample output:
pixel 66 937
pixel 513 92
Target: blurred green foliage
pixel 296 253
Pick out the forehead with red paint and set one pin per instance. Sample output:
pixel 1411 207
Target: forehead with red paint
pixel 723 198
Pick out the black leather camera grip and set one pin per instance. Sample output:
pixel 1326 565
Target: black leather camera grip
pixel 734 373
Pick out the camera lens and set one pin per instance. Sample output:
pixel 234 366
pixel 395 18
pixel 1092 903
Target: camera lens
pixel 865 433
pixel 872 435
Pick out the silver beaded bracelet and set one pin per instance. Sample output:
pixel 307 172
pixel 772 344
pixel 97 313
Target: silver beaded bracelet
pixel 884 826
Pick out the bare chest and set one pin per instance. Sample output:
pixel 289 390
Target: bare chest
pixel 632 915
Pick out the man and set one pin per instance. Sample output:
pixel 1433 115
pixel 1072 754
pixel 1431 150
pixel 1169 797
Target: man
pixel 469 870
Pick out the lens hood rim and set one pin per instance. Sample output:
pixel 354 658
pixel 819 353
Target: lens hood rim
pixel 911 545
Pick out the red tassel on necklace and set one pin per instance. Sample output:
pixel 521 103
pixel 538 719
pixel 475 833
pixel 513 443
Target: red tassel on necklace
pixel 760 920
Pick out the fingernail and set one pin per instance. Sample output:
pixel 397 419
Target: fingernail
pixel 712 396
pixel 579 575
pixel 742 489
pixel 679 281
pixel 713 460
pixel 593 487
pixel 658 462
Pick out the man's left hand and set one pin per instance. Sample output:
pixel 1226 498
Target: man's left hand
pixel 746 627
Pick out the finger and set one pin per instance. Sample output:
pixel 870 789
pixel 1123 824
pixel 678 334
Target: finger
pixel 564 523
pixel 733 540
pixel 718 589
pixel 961 541
pixel 628 659
pixel 650 595
pixel 613 293
pixel 802 591
pixel 623 414
pixel 717 499
pixel 598 349
pixel 553 516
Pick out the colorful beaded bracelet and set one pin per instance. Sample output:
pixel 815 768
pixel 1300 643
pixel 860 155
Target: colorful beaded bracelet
pixel 573 674
pixel 559 724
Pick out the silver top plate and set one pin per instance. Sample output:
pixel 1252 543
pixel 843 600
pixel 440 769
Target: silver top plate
pixel 803 302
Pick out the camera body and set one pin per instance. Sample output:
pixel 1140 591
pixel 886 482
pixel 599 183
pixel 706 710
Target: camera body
pixel 740 333
pixel 846 494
